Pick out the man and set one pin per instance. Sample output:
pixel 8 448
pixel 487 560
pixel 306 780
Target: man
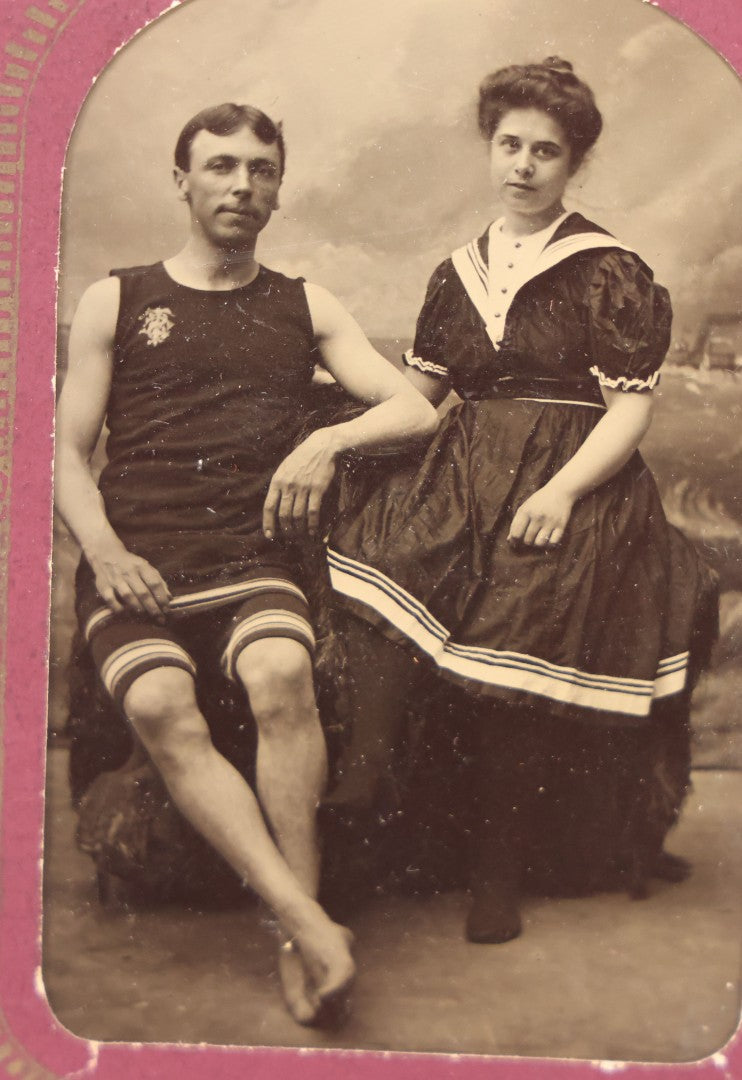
pixel 200 366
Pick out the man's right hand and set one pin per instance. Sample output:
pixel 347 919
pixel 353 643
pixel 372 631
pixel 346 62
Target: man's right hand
pixel 126 581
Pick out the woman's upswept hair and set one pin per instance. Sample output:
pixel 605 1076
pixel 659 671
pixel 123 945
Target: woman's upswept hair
pixel 225 120
pixel 550 86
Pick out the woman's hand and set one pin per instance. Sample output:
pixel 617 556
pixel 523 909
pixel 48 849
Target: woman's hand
pixel 298 485
pixel 124 580
pixel 542 518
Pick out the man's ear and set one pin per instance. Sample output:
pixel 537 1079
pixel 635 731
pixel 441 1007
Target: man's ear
pixel 275 204
pixel 180 176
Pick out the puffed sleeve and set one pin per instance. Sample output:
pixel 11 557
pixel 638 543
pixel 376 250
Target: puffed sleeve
pixel 630 319
pixel 428 354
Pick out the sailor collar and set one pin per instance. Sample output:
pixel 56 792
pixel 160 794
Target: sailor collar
pixel 568 235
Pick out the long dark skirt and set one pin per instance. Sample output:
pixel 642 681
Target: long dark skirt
pixel 443 774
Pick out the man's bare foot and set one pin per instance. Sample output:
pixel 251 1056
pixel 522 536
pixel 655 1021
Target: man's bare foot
pixel 302 1000
pixel 328 962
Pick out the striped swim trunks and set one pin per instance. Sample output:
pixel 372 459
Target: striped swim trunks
pixel 205 627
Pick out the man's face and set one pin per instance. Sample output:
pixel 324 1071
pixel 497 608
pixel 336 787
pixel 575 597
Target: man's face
pixel 231 187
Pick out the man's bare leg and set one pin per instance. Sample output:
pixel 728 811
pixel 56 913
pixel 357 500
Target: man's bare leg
pixel 291 775
pixel 291 768
pixel 215 798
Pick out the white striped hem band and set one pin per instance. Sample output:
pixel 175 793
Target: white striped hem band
pixel 491 667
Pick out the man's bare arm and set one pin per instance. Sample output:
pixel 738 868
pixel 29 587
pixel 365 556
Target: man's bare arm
pixel 398 414
pixel 122 579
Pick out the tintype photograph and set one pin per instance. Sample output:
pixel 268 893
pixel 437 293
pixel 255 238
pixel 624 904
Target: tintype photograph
pixel 396 602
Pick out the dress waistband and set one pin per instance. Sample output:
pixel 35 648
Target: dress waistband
pixel 560 401
pixel 548 391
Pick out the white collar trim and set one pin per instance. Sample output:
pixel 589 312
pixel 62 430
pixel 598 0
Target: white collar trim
pixel 475 273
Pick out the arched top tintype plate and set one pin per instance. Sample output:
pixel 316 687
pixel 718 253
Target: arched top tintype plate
pixel 385 177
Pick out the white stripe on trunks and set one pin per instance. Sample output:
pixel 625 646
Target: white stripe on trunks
pixel 205 599
pixel 100 615
pixel 265 624
pixel 122 661
pixel 227 594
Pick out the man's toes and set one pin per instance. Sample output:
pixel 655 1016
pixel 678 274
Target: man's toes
pixel 302 1001
pixel 335 1005
pixel 302 1011
pixel 329 964
pixel 339 979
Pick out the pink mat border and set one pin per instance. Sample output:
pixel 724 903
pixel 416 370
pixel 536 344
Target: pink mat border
pixel 52 50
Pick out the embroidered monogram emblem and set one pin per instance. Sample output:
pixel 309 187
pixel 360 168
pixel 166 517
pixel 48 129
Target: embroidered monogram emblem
pixel 157 324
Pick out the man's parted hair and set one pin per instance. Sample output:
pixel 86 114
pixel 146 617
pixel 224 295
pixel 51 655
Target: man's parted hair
pixel 225 120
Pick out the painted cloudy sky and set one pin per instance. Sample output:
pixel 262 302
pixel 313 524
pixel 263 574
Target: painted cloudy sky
pixel 386 173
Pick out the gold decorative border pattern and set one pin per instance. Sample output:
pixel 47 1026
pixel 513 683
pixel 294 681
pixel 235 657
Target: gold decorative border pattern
pixel 23 57
pixel 15 1062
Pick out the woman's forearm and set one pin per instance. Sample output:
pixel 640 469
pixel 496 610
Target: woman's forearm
pixel 543 517
pixel 609 446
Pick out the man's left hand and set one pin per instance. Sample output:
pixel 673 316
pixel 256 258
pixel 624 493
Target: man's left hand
pixel 298 485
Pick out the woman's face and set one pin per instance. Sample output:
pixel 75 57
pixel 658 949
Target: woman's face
pixel 530 162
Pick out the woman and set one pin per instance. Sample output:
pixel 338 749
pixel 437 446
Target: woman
pixel 528 556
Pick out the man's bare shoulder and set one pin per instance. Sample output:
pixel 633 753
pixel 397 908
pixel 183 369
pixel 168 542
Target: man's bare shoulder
pixel 98 309
pixel 327 313
pixel 102 295
pixel 319 294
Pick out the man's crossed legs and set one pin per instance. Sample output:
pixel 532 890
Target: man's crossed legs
pixel 151 674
